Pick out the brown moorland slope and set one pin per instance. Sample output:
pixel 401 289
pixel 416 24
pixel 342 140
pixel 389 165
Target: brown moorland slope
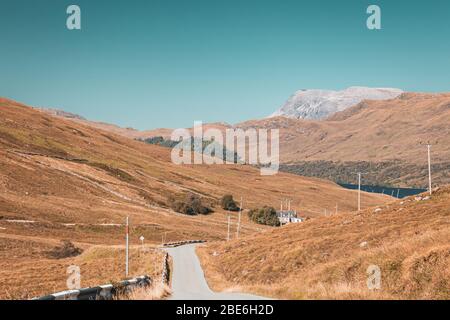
pixel 63 180
pixel 375 131
pixel 125 132
pixel 328 257
pixel 370 131
pixel 381 138
pixel 384 139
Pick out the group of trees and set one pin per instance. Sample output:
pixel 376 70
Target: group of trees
pixel 227 203
pixel 265 215
pixel 191 204
pixel 194 144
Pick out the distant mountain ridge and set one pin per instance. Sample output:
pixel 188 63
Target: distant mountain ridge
pixel 317 104
pixel 380 137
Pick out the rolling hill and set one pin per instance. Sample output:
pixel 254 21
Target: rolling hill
pixel 329 257
pixel 61 179
pixel 384 139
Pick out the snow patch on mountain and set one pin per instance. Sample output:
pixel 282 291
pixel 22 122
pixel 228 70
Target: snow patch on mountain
pixel 319 104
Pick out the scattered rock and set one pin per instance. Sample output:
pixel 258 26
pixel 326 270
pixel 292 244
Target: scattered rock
pixel 418 198
pixel 363 244
pixel 215 254
pixel 377 210
pixel 426 198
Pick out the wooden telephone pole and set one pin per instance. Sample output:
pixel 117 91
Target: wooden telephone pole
pixel 239 221
pixel 127 231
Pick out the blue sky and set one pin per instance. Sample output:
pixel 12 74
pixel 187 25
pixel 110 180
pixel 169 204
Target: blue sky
pixel 166 63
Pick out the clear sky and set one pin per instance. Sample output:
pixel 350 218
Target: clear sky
pixel 166 63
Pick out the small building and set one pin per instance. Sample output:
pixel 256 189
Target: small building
pixel 288 216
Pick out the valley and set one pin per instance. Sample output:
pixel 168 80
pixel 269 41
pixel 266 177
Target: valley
pixel 62 180
pixel 63 177
pixel 385 139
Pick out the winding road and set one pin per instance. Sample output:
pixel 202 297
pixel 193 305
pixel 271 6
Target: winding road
pixel 188 280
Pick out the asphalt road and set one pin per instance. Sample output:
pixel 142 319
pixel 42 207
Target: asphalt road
pixel 188 280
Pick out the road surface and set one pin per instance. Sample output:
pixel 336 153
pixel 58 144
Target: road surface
pixel 188 280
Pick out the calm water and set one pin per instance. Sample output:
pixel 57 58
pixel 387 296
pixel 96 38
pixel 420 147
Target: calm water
pixel 395 192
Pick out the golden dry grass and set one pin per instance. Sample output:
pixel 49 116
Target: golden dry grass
pixel 325 258
pixel 50 173
pixel 27 271
pixel 76 182
pixel 156 291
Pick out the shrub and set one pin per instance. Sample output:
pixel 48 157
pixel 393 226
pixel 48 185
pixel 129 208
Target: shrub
pixel 191 205
pixel 228 203
pixel 265 215
pixel 66 250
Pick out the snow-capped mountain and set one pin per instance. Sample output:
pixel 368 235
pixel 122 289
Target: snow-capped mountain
pixel 319 104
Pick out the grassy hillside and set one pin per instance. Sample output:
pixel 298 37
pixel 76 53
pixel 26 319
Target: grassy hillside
pixel 328 257
pixel 60 179
pixel 383 138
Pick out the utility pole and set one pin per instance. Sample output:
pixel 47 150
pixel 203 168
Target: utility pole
pixel 239 221
pixel 141 238
pixel 228 233
pixel 429 168
pixel 126 247
pixel 142 241
pixel 359 191
pixel 336 208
